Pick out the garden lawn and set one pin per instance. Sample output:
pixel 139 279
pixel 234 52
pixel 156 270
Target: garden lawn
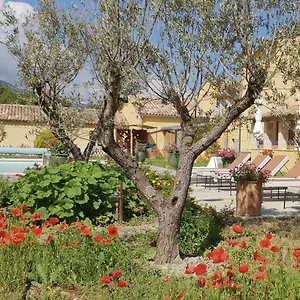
pixel 257 260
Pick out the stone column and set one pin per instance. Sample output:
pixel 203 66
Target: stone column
pixel 282 136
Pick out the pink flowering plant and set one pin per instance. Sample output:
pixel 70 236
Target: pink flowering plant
pixel 227 155
pixel 250 172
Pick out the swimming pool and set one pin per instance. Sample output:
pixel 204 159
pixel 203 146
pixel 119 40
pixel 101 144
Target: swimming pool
pixel 17 165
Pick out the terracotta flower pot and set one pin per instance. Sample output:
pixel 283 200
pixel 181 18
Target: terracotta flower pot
pixel 249 198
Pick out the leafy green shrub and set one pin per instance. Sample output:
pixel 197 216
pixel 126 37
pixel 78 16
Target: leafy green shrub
pixel 43 139
pixel 5 191
pixel 70 191
pixel 78 191
pixel 199 230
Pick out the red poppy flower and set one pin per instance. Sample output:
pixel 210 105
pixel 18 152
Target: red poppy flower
pixel 63 227
pixel 261 268
pixel 265 243
pixel 37 231
pixel 2 225
pixel 243 268
pixel 166 279
pixel 217 275
pixel 16 212
pixel 53 221
pixel 295 266
pixel 230 274
pixel 201 282
pixel 22 219
pixel 49 239
pixel 180 295
pixel 296 252
pixel 19 175
pixel 115 273
pixel 35 216
pixel 231 243
pixel 74 243
pixel 149 282
pixel 237 229
pixel 243 244
pixel 106 280
pixel 86 232
pixel 167 298
pixel 97 239
pixel 218 255
pixel 17 238
pixel 200 269
pixel 274 249
pixel 64 248
pixel 298 258
pixel 106 241
pixel 121 283
pixel 259 275
pixel 269 236
pixel 112 230
pixel 189 270
pixel 81 228
pixel 75 224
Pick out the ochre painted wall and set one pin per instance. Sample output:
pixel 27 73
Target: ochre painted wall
pixel 18 131
pixel 160 138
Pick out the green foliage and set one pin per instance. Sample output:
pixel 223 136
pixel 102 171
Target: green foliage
pixel 82 190
pixel 212 150
pixel 43 139
pixel 5 191
pixel 46 139
pixel 199 230
pixel 70 191
pixel 8 96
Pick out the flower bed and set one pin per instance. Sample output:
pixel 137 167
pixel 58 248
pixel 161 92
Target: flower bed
pixel 61 260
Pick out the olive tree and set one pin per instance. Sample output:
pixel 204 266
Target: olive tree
pixel 175 48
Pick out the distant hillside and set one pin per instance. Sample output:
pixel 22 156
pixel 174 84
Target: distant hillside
pixel 2 82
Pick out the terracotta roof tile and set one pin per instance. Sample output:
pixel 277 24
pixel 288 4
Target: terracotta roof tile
pixel 290 111
pixel 156 107
pixel 32 113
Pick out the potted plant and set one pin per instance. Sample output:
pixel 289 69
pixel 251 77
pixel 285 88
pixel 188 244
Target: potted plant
pixel 249 180
pixel 227 155
pixel 173 155
pixel 268 152
pixel 59 152
pixel 140 156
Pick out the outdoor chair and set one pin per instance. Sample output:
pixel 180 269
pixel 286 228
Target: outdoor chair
pixel 202 174
pixel 276 164
pixel 292 174
pixel 224 180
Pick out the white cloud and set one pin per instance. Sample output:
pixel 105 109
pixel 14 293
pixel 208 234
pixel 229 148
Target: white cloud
pixel 8 65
